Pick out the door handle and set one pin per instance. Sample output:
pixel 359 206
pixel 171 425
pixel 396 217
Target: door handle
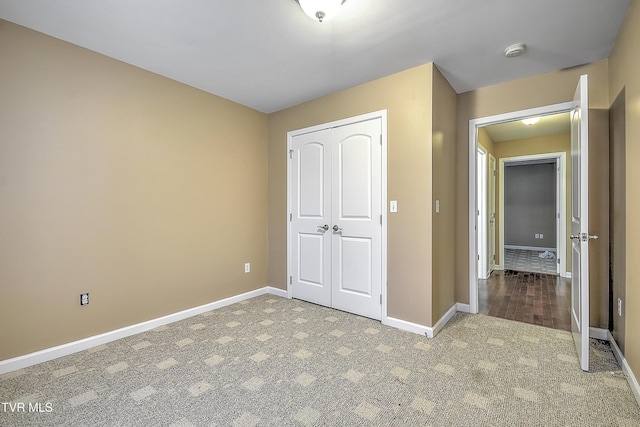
pixel 336 228
pixel 584 237
pixel 324 227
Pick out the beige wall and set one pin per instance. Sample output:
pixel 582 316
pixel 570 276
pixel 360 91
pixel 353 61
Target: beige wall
pixel 444 190
pixel 624 64
pixel 617 215
pixel 407 96
pixel 544 89
pixel 540 145
pixel 148 194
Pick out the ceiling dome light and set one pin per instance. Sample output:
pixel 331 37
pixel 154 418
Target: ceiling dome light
pixel 530 121
pixel 321 10
pixel 515 50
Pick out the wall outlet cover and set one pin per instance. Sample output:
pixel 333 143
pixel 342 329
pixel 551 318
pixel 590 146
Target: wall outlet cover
pixel 84 298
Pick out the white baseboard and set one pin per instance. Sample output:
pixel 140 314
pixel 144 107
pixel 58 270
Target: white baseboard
pixel 277 291
pixel 599 333
pixel 51 353
pixel 427 331
pixel 631 379
pixel 530 248
pixel 566 275
pixel 464 308
pixel 444 319
pixel 409 327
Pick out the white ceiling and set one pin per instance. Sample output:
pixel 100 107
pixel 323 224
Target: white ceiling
pixel 268 55
pixel 548 125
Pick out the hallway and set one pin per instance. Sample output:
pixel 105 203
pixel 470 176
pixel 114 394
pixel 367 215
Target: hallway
pixel 539 299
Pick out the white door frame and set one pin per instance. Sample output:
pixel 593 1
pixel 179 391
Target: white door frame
pixel 474 124
pixel 561 205
pixel 382 114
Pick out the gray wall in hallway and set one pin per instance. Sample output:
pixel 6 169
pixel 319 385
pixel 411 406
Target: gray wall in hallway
pixel 530 205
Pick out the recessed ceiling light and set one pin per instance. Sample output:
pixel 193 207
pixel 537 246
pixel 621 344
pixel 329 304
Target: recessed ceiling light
pixel 515 50
pixel 530 121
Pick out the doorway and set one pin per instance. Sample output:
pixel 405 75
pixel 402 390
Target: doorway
pixel 530 223
pixel 478 129
pixel 532 210
pixel 337 223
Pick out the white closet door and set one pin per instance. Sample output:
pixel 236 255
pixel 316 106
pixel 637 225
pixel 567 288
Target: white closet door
pixel 336 227
pixel 311 217
pixel 356 214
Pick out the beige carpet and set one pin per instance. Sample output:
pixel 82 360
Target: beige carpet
pixel 270 361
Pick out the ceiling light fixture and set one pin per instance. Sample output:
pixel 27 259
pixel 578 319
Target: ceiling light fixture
pixel 515 50
pixel 321 10
pixel 530 121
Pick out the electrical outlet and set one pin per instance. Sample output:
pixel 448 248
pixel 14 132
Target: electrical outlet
pixel 84 298
pixel 247 267
pixel 619 307
pixel 541 236
pixel 537 236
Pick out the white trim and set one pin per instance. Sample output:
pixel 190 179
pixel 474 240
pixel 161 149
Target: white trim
pixel 463 308
pixel 599 333
pixel 427 331
pixel 561 206
pixel 474 124
pixel 409 327
pixel 566 275
pixel 382 114
pixel 277 291
pixel 529 248
pixel 631 379
pixel 51 353
pixel 444 320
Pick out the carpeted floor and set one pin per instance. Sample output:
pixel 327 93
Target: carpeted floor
pixel 270 361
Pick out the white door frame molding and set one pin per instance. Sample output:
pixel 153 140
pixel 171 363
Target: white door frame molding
pixel 474 124
pixel 561 205
pixel 382 114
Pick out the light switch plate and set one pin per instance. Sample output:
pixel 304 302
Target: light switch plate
pixel 393 206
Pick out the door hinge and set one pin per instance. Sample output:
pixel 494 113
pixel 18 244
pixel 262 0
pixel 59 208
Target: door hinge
pixel 380 139
pixel 380 299
pixel 558 260
pixel 291 280
pixel 290 217
pixel 291 154
pixel 478 257
pixel 380 219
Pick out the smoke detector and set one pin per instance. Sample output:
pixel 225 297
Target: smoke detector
pixel 515 50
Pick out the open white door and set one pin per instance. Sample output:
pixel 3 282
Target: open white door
pixel 491 211
pixel 580 222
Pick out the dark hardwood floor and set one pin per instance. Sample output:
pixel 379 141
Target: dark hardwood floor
pixel 539 299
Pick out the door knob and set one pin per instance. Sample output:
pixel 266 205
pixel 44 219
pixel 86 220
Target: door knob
pixel 324 227
pixel 336 228
pixel 584 237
